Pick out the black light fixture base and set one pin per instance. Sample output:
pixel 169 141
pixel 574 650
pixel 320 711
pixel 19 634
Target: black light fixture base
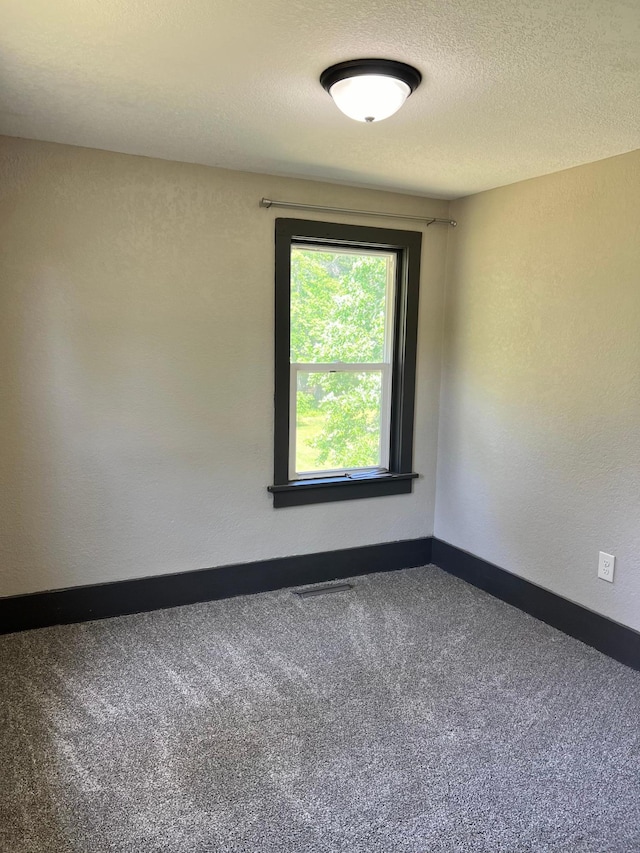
pixel 383 67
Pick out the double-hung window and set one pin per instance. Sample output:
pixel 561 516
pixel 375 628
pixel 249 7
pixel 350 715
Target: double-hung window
pixel 346 328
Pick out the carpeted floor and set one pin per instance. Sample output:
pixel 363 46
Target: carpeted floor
pixel 413 714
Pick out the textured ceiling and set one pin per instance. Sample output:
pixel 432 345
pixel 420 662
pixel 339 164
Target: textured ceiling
pixel 512 88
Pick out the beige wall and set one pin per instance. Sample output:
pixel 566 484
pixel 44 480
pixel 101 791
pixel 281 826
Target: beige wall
pixel 136 370
pixel 539 455
pixel 136 306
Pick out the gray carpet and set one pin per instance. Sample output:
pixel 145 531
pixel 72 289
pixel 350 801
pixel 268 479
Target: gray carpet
pixel 414 714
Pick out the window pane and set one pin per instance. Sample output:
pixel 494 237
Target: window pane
pixel 338 417
pixel 339 305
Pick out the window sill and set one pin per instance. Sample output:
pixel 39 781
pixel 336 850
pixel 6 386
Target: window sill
pixel 320 490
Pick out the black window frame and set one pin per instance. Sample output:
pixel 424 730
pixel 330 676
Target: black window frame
pixel 407 245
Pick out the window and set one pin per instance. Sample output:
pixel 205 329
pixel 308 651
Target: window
pixel 346 327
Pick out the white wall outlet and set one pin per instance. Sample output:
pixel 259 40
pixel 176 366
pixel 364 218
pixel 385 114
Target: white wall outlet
pixel 606 566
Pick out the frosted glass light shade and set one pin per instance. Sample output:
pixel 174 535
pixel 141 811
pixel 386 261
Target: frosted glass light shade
pixel 370 89
pixel 369 97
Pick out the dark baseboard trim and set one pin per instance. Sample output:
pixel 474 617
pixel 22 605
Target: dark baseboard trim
pixel 100 601
pixel 612 638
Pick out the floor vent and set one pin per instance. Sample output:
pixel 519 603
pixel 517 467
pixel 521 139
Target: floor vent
pixel 322 589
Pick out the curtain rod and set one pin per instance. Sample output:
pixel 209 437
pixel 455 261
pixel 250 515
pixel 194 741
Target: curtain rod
pixel 267 202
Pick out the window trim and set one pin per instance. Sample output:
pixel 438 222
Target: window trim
pixel 407 246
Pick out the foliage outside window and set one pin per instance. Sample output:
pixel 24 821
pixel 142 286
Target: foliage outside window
pixel 341 350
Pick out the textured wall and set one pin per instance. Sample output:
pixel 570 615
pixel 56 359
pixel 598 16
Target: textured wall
pixel 539 456
pixel 136 368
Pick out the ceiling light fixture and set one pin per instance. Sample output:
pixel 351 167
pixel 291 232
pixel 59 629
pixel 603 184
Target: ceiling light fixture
pixel 370 89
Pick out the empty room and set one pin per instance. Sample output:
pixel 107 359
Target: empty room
pixel 320 426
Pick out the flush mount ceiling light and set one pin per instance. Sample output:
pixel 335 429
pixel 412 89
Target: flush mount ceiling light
pixel 370 89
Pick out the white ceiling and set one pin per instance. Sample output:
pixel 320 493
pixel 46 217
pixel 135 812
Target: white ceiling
pixel 511 89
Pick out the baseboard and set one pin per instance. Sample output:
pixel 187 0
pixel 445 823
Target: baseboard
pixel 604 634
pixel 101 601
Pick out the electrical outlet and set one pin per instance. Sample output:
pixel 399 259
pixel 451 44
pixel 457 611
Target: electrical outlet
pixel 606 566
